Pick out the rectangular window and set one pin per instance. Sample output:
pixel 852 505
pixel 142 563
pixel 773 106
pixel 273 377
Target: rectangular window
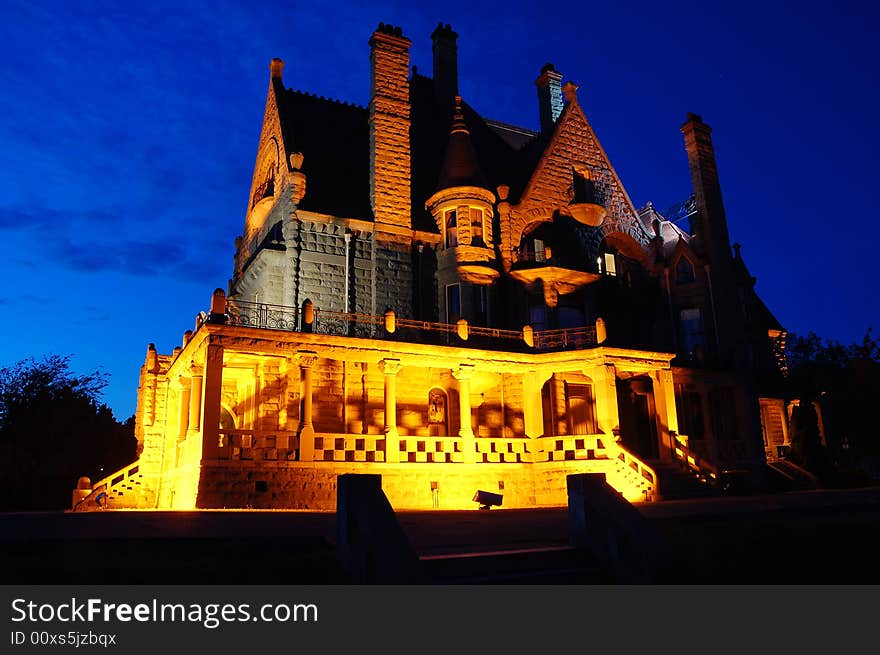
pixel 691 323
pixel 579 401
pixel 477 227
pixel 538 317
pixel 480 301
pixel 451 224
pixel 610 264
pixel 539 250
pixel 453 303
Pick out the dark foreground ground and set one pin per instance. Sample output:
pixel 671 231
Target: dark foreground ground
pixel 816 537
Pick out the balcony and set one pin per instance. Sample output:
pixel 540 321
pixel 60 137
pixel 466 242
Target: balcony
pixel 390 327
pixel 556 277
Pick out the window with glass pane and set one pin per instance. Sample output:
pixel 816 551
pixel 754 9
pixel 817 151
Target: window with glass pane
pixel 451 228
pixel 477 227
pixel 691 330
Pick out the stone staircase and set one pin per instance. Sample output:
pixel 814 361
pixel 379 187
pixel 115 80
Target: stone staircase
pixel 677 482
pixel 119 490
pixel 788 476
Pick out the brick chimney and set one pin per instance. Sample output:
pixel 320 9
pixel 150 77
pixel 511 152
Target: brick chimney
pixel 550 100
pixel 713 243
pixel 445 50
pixel 710 223
pixel 389 127
pixel 276 66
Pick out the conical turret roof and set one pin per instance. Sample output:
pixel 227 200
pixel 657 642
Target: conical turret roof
pixel 460 165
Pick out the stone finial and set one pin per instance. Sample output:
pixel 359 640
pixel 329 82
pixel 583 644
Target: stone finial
pixel 601 331
pixel 218 301
pixel 390 321
pixel 569 89
pixel 276 66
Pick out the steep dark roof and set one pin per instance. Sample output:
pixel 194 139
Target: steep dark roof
pixel 335 141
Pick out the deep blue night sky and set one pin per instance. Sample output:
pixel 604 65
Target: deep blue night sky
pixel 129 134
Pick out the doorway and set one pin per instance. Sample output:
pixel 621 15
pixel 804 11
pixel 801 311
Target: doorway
pixel 638 425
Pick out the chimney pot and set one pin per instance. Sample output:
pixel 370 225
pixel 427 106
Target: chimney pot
pixel 445 50
pixel 549 96
pixel 276 66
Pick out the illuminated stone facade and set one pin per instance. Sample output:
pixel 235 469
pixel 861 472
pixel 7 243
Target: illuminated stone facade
pixel 457 304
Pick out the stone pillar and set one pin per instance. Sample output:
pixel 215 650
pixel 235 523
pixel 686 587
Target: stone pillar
pixel 533 411
pixel 211 392
pixel 184 399
pixel 391 367
pixel 195 402
pixel 664 403
pixel 607 416
pixel 306 429
pixel 466 431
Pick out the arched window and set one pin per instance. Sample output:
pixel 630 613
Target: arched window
pixel 451 228
pixel 227 420
pixel 437 422
pixel 684 271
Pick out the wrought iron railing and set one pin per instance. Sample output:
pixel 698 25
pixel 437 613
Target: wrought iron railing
pixel 279 317
pixel 565 339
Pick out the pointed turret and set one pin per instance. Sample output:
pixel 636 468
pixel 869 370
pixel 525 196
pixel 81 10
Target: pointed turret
pixel 462 207
pixel 460 166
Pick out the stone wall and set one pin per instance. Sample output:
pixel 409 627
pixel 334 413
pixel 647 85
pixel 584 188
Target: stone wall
pixel 394 274
pixel 296 485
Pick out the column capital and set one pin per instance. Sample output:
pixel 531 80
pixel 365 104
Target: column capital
pixel 306 358
pixel 390 366
pixel 463 372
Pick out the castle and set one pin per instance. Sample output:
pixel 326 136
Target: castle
pixel 458 304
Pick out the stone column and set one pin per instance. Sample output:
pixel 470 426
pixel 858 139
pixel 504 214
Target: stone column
pixel 533 411
pixel 466 431
pixel 306 430
pixel 664 404
pixel 211 393
pixel 607 415
pixel 195 401
pixel 391 367
pixel 184 399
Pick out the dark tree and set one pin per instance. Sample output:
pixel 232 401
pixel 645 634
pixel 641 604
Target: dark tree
pixel 53 429
pixel 845 380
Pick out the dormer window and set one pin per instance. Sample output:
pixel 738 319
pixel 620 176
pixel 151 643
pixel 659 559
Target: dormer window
pixel 451 222
pixel 584 189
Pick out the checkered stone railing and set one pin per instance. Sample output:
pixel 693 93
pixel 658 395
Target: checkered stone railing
pixel 571 447
pixel 496 450
pixel 349 447
pixel 258 445
pixel 443 450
